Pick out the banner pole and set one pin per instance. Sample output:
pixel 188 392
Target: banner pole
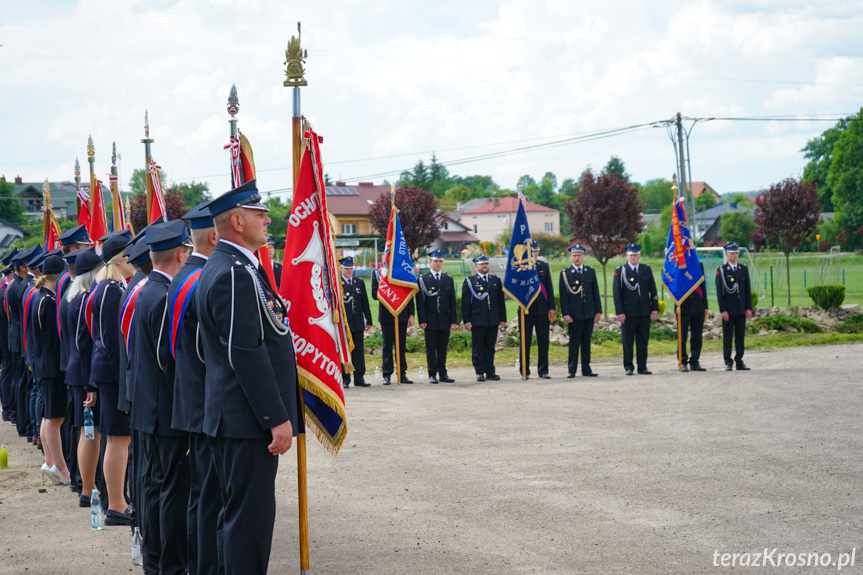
pixel 398 354
pixel 679 341
pixel 523 350
pixel 295 79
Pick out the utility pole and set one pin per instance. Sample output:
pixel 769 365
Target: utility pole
pixel 682 167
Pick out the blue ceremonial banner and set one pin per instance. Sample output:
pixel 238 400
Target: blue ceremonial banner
pixel 521 281
pixel 681 272
pixel 396 283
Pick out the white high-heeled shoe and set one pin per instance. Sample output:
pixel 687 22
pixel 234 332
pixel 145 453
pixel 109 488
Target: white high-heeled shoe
pixel 58 477
pixel 47 475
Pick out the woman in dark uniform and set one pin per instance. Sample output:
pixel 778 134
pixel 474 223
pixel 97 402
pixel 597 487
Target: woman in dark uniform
pixel 105 369
pixel 87 265
pixel 47 368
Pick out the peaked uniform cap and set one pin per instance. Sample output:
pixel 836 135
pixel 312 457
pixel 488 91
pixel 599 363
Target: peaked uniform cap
pixel 76 235
pixel 245 196
pixel 164 236
pixel 199 217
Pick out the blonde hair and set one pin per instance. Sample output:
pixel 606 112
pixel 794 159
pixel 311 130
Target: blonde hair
pixel 45 279
pixel 111 271
pixel 82 284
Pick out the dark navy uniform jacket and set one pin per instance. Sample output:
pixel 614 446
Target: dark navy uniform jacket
pixel 541 305
pixel 251 382
pixel 105 366
pixel 488 311
pixel 29 335
pixel 124 392
pixel 4 319
pixel 436 301
pixel 356 302
pixel 696 303
pixel 189 371
pixel 64 339
pixel 585 303
pixel 384 315
pixel 47 348
pixel 152 373
pixel 13 305
pixel 733 289
pixel 80 345
pixel 277 272
pixel 634 302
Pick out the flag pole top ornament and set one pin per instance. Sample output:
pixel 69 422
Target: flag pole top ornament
pixel 146 123
pixel 294 58
pixel 114 153
pixel 77 167
pixel 233 101
pixel 91 150
pixel 674 184
pixel 46 187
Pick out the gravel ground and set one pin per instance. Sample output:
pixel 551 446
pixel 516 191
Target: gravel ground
pixel 643 474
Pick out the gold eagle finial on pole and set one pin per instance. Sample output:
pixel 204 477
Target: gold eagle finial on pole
pixel 294 58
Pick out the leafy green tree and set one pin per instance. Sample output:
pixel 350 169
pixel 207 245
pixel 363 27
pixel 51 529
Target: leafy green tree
pixel 737 227
pixel 819 152
pixel 419 177
pixel 457 194
pixel 279 212
pixel 567 188
pixel 480 186
pixel 193 193
pixel 705 201
pixel 845 178
pixel 137 183
pixel 439 181
pixel 328 181
pixel 546 193
pixel 527 180
pixel 615 166
pixel 655 195
pixel 11 208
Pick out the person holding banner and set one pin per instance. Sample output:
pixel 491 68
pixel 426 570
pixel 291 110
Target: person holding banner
pixel 539 316
pixel 386 319
pixel 581 308
pixel 636 304
pixel 437 316
pixel 359 318
pixel 693 312
pixel 735 303
pixel 484 312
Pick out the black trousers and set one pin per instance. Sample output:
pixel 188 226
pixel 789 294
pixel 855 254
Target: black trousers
pixel 482 340
pixel 205 507
pixel 358 358
pixel 695 323
pixel 23 384
pixel 580 332
pixel 389 344
pixel 166 497
pixel 437 341
pixel 734 328
pixel 541 323
pixel 70 449
pixel 7 386
pixel 247 480
pixel 635 329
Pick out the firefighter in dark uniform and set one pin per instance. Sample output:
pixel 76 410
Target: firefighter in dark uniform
pixel 437 316
pixel 693 312
pixel 277 267
pixel 735 303
pixel 359 318
pixel 636 303
pixel 252 396
pixel 539 315
pixel 581 308
pixel 483 311
pixel 385 318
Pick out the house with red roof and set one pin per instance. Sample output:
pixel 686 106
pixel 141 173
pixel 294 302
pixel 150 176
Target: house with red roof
pixel 494 215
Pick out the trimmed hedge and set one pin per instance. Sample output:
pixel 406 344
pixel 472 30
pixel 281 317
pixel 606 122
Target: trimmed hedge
pixel 828 296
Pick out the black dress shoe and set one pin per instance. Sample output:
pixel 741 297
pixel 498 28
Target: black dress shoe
pixel 346 385
pixel 446 379
pixel 570 375
pixel 362 384
pixel 405 380
pixel 696 367
pixel 480 377
pixel 493 377
pixel 684 368
pixel 386 381
pixel 644 372
pixel 628 372
pixel 589 374
pixel 432 379
pixel 727 367
pixel 544 376
pixel 114 518
pixel 742 367
pixel 83 501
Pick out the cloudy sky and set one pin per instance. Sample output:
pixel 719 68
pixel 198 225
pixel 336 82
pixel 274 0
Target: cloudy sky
pixel 391 81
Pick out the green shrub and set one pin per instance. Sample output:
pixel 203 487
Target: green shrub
pixel 375 341
pixel 828 296
pixel 415 344
pixel 854 324
pixel 756 297
pixel 662 333
pixel 512 341
pixel 459 341
pixel 599 337
pixel 780 321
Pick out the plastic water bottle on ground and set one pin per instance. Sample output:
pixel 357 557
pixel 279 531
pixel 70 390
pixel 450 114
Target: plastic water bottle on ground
pixel 95 511
pixel 4 457
pixel 88 423
pixel 518 365
pixel 137 557
pixel 377 374
pixel 421 376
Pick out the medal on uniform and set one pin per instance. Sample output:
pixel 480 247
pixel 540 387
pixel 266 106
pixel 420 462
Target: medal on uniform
pixel 632 279
pixel 732 279
pixel 576 282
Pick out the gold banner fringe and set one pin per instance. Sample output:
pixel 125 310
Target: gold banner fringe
pixel 313 385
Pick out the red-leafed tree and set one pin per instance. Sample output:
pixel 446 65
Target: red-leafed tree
pixel 173 205
pixel 786 215
pixel 605 215
pixel 419 215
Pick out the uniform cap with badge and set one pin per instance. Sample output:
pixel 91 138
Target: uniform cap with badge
pixel 347 263
pixel 481 259
pixel 245 196
pixel 167 235
pixel 732 248
pixel 76 235
pixel 633 249
pixel 577 248
pixel 199 217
